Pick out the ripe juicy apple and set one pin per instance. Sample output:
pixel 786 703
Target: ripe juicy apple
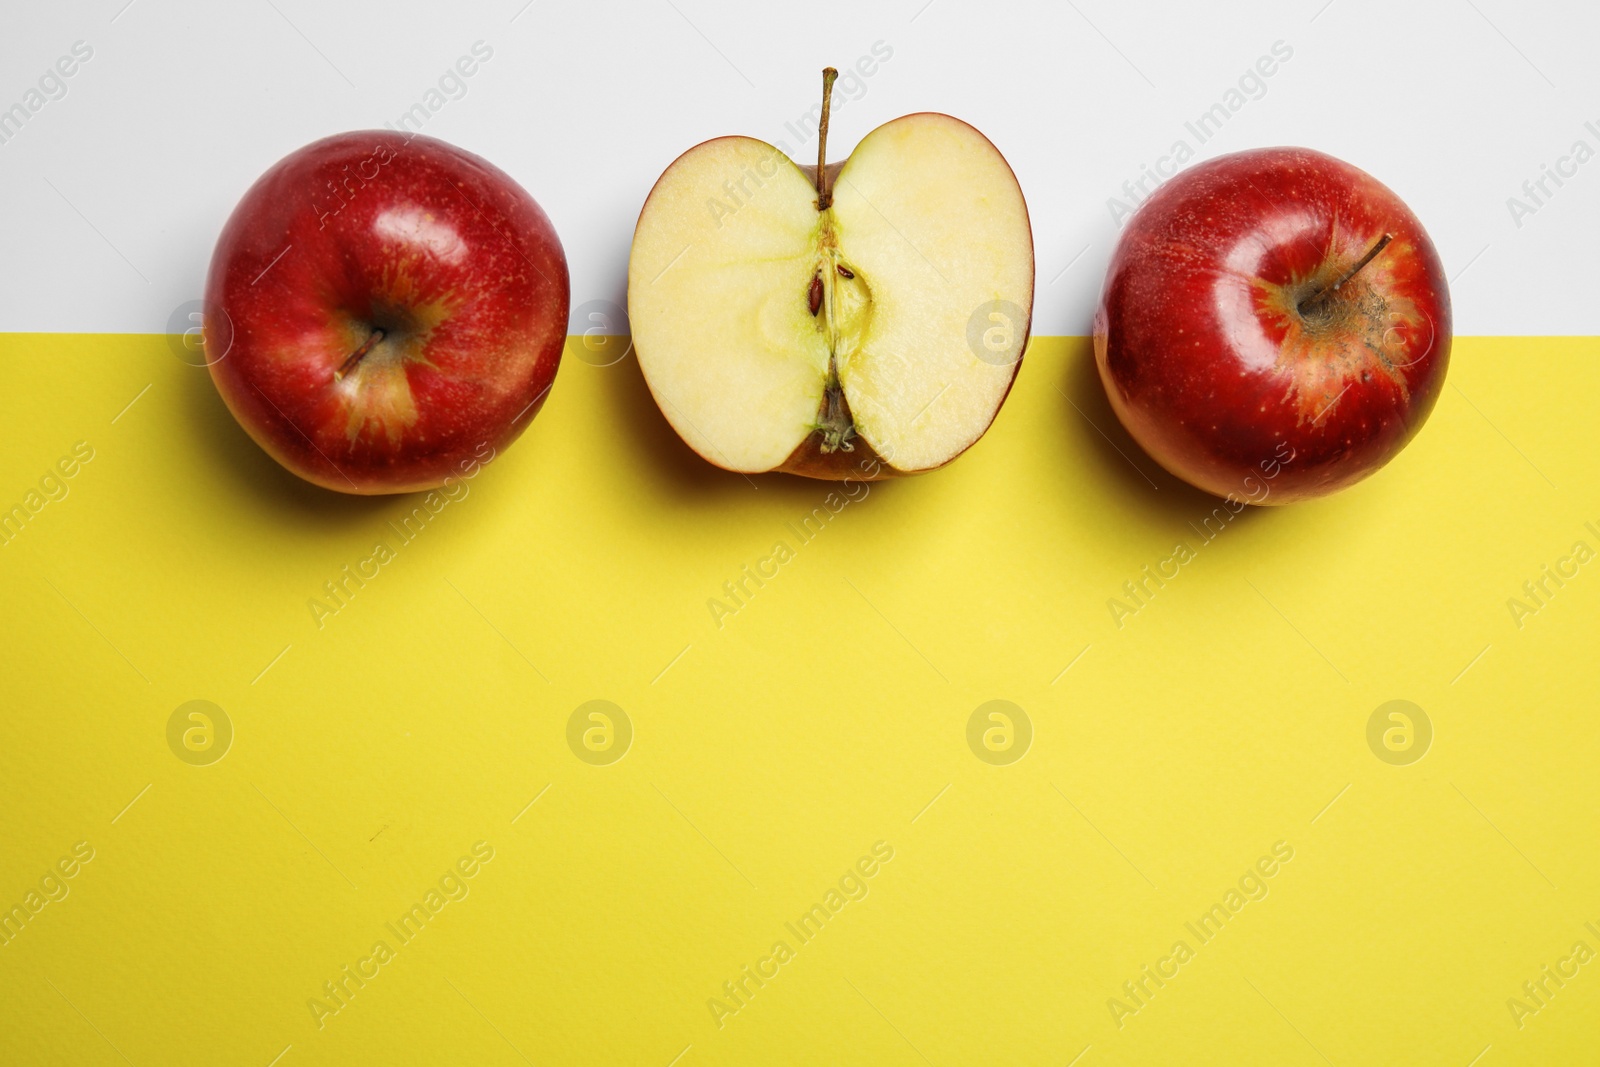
pixel 859 319
pixel 398 309
pixel 1275 325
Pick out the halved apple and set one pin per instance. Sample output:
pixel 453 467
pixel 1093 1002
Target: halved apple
pixel 852 320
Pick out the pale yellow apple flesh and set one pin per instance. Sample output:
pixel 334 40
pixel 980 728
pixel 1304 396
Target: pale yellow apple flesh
pixel 888 326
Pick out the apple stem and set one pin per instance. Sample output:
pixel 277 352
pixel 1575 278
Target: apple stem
pixel 355 357
pixel 1372 253
pixel 824 194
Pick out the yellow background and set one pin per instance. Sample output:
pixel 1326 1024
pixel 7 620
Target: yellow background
pixel 771 753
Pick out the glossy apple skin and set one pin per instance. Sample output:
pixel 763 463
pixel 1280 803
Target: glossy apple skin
pixel 433 245
pixel 1214 371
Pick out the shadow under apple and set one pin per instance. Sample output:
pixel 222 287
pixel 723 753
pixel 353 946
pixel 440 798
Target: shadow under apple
pixel 674 464
pixel 1148 492
pixel 231 458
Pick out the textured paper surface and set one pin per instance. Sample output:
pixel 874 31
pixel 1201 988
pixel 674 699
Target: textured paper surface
pixel 1227 716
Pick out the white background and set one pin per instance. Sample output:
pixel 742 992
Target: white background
pixel 112 196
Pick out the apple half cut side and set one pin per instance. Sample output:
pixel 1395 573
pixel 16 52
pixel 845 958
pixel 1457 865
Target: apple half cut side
pixel 854 320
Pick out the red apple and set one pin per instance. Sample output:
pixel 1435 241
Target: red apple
pixel 398 309
pixel 1275 325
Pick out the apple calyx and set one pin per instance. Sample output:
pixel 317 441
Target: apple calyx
pixel 836 427
pixel 353 358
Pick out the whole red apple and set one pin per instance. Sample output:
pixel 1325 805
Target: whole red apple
pixel 1275 325
pixel 398 309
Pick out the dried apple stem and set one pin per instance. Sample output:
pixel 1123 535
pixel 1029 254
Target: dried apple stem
pixel 355 357
pixel 824 194
pixel 1372 253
